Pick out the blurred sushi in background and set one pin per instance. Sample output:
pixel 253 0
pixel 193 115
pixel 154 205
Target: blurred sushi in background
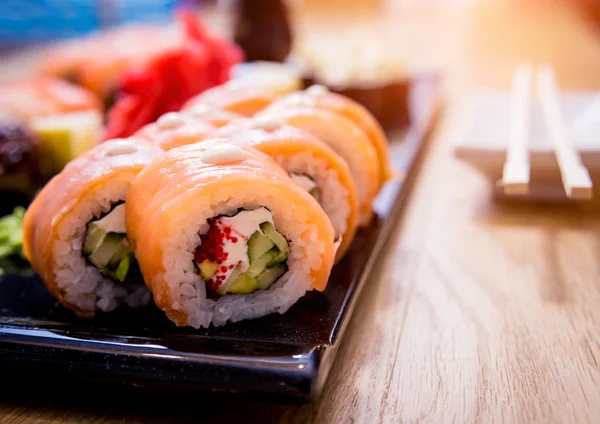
pixel 44 123
pixel 130 62
pixel 98 61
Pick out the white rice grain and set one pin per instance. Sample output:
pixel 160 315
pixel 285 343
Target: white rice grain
pixel 334 196
pixel 82 283
pixel 188 290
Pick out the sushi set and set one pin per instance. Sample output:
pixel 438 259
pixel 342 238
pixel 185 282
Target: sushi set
pixel 213 241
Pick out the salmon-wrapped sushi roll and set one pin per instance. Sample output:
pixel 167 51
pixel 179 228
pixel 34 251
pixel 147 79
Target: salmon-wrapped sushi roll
pixel 311 164
pixel 345 138
pixel 98 61
pixel 174 129
pixel 74 230
pixel 223 234
pixel 43 96
pixel 234 96
pixel 319 96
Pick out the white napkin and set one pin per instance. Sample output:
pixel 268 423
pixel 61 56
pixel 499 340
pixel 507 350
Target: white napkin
pixel 487 122
pixel 482 136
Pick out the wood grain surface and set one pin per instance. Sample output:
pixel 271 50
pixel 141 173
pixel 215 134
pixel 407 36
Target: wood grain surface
pixel 480 311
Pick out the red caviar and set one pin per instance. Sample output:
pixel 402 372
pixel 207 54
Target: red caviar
pixel 212 250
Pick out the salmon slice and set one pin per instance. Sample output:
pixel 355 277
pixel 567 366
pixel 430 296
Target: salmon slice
pixel 345 138
pixel 320 97
pixel 97 61
pixel 44 96
pixel 56 201
pixel 175 129
pixel 235 97
pixel 180 190
pixel 297 151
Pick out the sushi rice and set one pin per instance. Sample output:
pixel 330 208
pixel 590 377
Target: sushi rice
pixel 187 286
pixel 335 198
pixel 83 284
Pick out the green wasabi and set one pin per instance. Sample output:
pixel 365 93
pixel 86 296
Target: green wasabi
pixel 11 234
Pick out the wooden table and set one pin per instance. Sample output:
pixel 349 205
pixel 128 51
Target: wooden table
pixel 480 311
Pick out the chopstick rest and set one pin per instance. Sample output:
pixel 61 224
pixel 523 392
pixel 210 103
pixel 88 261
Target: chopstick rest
pixel 515 175
pixel 575 176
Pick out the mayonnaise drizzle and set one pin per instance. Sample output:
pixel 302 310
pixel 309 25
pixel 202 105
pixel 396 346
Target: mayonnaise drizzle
pixel 114 221
pixel 199 110
pixel 266 123
pixel 317 89
pixel 242 225
pixel 170 120
pixel 121 147
pixel 223 153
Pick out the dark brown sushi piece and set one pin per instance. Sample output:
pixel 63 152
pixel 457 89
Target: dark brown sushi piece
pixel 262 29
pixel 385 95
pixel 18 157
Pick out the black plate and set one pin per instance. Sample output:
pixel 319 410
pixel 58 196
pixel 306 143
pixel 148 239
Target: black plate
pixel 288 355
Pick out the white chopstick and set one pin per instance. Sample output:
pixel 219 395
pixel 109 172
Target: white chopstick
pixel 515 175
pixel 575 177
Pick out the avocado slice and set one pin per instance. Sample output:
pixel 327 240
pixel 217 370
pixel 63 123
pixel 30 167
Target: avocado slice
pixel 261 263
pixel 258 245
pixel 207 269
pixel 270 275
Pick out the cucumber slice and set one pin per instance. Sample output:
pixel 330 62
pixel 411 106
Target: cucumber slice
pixel 269 229
pixel 107 249
pixel 258 245
pixel 244 284
pixel 207 269
pixel 281 257
pixel 270 275
pixel 123 268
pixel 123 251
pixel 261 263
pixel 94 237
pixel 232 277
pixel 316 193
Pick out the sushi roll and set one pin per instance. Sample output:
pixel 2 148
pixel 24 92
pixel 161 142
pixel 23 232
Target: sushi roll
pixel 237 238
pixel 43 96
pixel 175 129
pixel 345 137
pixel 98 61
pixel 74 230
pixel 234 96
pixel 321 97
pixel 19 156
pixel 311 164
pixel 64 119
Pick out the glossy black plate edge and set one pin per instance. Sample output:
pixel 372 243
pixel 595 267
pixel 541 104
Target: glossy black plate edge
pixel 417 141
pixel 282 377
